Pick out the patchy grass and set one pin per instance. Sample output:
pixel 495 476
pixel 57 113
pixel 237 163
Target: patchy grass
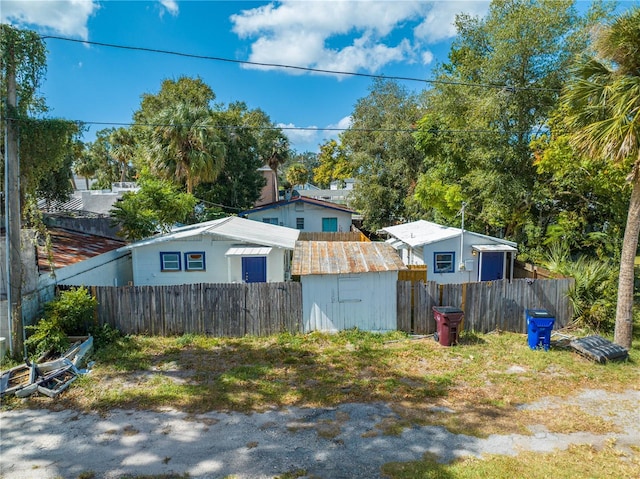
pixel 576 461
pixel 474 388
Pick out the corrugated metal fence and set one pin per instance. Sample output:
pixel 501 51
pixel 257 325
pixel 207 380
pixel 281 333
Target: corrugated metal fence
pixel 259 309
pixel 262 309
pixel 487 305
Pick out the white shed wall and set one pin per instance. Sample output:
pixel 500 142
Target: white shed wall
pixel 219 267
pixel 367 301
pixel 287 216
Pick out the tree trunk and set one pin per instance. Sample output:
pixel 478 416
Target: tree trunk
pixel 624 311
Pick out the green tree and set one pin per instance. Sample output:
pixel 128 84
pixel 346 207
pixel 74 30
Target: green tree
pixel 382 154
pixel 98 161
pixel 185 145
pixel 502 81
pixel 581 201
pixel 239 184
pixel 45 145
pixel 334 164
pixel 123 147
pixel 156 207
pixel 184 90
pixel 603 102
pixel 296 174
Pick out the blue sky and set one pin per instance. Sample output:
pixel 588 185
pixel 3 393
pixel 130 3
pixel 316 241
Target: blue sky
pixel 100 84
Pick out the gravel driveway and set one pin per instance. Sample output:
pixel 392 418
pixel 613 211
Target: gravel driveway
pixel 330 443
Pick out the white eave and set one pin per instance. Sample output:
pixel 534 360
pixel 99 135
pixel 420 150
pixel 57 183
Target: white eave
pixel 494 248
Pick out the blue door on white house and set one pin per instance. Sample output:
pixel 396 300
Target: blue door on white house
pixel 492 266
pixel 330 225
pixel 254 269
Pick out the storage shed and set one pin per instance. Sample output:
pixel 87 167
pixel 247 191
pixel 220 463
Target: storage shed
pixel 228 250
pixel 347 285
pixel 453 255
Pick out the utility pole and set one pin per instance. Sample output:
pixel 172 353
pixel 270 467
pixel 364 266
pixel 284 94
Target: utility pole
pixel 13 211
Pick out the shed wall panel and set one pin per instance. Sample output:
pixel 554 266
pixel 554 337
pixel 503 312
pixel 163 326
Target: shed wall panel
pixel 374 310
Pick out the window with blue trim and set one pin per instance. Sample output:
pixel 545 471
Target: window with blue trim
pixel 170 261
pixel 271 221
pixel 194 261
pixel 443 262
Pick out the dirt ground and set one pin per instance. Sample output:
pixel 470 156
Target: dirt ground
pixel 342 442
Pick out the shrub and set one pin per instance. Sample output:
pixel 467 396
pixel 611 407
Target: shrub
pixel 69 314
pixel 593 295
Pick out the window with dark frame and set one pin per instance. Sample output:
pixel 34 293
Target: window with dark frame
pixel 271 221
pixel 443 262
pixel 170 261
pixel 194 261
pixel 300 223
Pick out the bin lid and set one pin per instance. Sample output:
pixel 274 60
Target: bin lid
pixel 539 313
pixel 447 309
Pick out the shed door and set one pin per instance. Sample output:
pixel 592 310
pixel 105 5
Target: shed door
pixel 492 266
pixel 254 269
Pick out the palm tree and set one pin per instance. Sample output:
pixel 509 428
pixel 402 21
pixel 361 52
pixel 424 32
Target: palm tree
pixel 604 117
pixel 122 150
pixel 185 145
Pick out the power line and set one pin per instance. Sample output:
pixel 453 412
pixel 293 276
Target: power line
pixel 286 128
pixel 508 88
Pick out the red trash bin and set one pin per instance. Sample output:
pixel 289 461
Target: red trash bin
pixel 447 319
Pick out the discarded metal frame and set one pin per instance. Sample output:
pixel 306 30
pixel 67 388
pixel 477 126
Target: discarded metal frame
pixel 47 377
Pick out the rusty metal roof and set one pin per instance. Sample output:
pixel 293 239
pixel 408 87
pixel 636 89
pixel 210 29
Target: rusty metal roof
pixel 344 257
pixel 69 247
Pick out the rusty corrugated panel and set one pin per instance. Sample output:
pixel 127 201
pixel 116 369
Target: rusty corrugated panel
pixel 341 257
pixel 69 247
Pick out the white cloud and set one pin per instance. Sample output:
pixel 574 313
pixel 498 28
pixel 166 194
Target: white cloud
pixel 66 17
pixel 348 35
pixel 344 123
pixel 438 23
pixel 427 57
pixel 309 138
pixel 170 6
pixel 299 135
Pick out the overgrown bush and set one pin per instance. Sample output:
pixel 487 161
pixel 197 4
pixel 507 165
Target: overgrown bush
pixel 69 314
pixel 594 293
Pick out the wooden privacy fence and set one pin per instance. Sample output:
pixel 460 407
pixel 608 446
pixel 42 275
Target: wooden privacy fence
pixel 262 309
pixel 259 309
pixel 487 305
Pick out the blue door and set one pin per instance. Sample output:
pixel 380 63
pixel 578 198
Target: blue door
pixel 492 266
pixel 254 269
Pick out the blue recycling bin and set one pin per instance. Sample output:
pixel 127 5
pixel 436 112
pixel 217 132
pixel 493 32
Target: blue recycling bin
pixel 539 325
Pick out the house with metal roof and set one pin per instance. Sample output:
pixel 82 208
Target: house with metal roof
pixel 453 255
pixel 227 250
pixel 347 285
pixel 304 214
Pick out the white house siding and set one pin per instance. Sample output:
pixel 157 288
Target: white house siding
pixel 362 305
pixel 108 269
pixel 219 267
pixel 425 255
pixel 287 215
